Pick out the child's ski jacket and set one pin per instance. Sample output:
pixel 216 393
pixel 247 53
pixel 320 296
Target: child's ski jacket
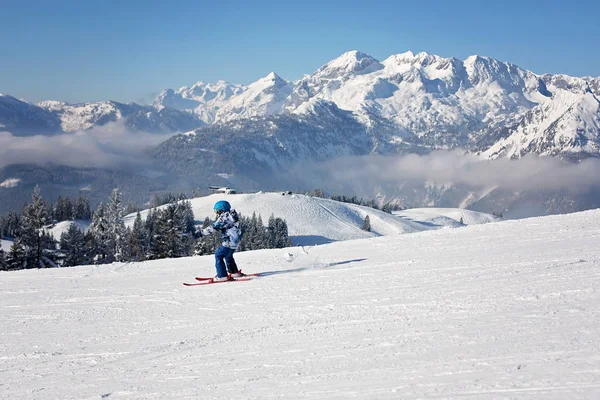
pixel 228 223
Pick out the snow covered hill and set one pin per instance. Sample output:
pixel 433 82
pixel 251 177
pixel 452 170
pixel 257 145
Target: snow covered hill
pixel 58 229
pixel 445 217
pixel 503 310
pixel 313 220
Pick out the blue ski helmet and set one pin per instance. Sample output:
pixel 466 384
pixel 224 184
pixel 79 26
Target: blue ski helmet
pixel 221 206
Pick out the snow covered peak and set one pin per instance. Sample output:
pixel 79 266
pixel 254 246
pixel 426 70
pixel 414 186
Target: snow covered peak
pixel 53 105
pixel 272 79
pixel 266 96
pixel 350 63
pixel 408 54
pixel 481 68
pixel 489 74
pixel 399 59
pixel 424 57
pixel 205 92
pixel 315 106
pixel 272 76
pixel 203 99
pixel 568 83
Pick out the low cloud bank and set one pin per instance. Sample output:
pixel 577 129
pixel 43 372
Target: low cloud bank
pixel 364 174
pixel 111 145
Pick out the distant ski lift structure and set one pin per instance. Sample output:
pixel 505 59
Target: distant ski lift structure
pixel 222 190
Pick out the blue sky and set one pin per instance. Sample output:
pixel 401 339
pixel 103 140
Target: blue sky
pixel 79 51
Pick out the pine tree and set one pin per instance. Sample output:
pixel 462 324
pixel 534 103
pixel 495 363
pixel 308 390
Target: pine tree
pixel 283 238
pixel 253 233
pixel 67 210
pixel 11 224
pixel 58 209
pixel 161 240
pixel 279 233
pixel 16 257
pixel 366 226
pixel 3 266
pixel 90 247
pixel 72 246
pixel 188 216
pixel 210 243
pixel 271 232
pixel 387 207
pixel 100 232
pixel 262 237
pixel 138 239
pixel 171 235
pixel 81 209
pixel 49 256
pixel 318 193
pixel 149 227
pixel 37 243
pixel 116 227
pixel 126 251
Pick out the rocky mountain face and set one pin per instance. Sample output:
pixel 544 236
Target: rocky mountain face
pixel 24 119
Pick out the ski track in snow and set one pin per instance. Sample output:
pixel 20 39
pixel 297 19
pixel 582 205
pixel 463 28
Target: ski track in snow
pixel 503 310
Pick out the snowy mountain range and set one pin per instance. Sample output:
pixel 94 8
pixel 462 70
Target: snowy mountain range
pixel 482 104
pixel 55 117
pixel 249 136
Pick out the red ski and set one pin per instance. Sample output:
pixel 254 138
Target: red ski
pixel 210 282
pixel 199 278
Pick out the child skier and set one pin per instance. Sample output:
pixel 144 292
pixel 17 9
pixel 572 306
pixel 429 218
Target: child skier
pixel 228 224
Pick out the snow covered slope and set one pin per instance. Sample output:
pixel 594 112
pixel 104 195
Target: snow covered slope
pixel 313 220
pixel 569 125
pixel 445 217
pixel 504 310
pixel 5 244
pixel 63 226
